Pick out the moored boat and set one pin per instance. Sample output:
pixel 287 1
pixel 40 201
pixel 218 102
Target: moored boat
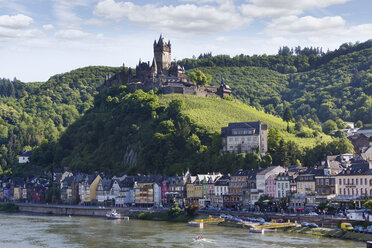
pixel 114 215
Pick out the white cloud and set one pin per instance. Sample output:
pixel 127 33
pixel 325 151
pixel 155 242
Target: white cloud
pixel 15 21
pixel 9 33
pixel 48 27
pixel 65 13
pixel 96 22
pixel 71 34
pixel 307 25
pixel 279 8
pixel 184 18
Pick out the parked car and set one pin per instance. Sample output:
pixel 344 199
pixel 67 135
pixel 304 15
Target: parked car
pixel 312 225
pixel 358 229
pixel 312 214
pixel 346 227
pixel 368 229
pixel 304 224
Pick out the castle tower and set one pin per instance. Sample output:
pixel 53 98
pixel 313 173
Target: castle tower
pixel 162 54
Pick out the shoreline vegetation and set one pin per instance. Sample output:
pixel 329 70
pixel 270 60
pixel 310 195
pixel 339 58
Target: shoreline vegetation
pixel 9 208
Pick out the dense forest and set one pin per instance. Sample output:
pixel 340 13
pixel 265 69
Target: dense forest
pixel 315 85
pixel 31 113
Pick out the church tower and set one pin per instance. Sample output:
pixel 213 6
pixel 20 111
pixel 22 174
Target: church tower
pixel 162 55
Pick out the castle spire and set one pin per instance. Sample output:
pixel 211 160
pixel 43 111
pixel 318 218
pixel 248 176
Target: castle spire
pixel 161 39
pixel 154 67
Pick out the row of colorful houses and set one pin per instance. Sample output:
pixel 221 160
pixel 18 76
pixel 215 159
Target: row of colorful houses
pixel 18 189
pixel 344 176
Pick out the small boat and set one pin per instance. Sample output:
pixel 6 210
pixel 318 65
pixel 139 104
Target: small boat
pixel 114 215
pixel 198 237
pixel 262 230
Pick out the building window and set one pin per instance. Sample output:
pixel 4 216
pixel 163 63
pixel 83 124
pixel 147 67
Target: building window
pixel 344 181
pixel 361 181
pixel 344 191
pixel 340 181
pixel 352 181
pixel 348 181
pixel 340 192
pixel 365 181
pixel 356 191
pixel 356 181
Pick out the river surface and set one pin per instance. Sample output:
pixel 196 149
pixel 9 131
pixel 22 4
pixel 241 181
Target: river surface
pixel 24 231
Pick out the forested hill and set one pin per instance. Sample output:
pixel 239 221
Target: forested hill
pixel 314 85
pixel 33 112
pixel 147 133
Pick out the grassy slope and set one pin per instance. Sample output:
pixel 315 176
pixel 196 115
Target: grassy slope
pixel 214 113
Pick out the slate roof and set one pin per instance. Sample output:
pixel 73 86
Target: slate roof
pixel 107 184
pixel 128 182
pixel 227 131
pixel 223 181
pixel 26 154
pixel 268 169
pixel 150 179
pixel 358 167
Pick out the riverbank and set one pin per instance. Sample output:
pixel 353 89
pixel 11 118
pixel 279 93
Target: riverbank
pixel 330 233
pixel 8 207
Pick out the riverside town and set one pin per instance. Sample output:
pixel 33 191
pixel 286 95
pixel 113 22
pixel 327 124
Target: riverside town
pixel 186 124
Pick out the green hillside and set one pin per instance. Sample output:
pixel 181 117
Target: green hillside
pixel 213 113
pixel 140 132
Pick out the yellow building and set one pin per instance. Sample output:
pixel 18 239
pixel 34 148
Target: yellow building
pixel 190 191
pixel 306 182
pixel 88 188
pixel 17 193
pixel 93 188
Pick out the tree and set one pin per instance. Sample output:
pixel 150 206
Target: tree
pixel 339 134
pixel 199 78
pixel 368 204
pixel 329 126
pixel 287 116
pixel 359 124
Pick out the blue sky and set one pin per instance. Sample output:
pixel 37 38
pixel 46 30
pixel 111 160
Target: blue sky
pixel 40 38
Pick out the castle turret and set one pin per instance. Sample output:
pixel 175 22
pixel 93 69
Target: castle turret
pixel 154 67
pixel 162 54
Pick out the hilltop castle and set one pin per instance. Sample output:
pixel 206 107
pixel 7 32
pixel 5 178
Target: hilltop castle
pixel 164 75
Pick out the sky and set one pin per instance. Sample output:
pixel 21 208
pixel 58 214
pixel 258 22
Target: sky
pixel 41 38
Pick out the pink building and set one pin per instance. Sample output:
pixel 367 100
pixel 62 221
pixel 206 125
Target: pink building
pixel 164 190
pixel 270 187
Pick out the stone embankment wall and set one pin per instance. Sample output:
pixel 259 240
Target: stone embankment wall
pixel 71 210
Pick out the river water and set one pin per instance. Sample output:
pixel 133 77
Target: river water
pixel 24 231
